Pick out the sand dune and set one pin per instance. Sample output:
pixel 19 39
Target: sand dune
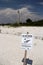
pixel 10 45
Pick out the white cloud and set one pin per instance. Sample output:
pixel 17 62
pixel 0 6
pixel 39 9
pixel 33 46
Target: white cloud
pixel 26 6
pixel 41 3
pixel 11 15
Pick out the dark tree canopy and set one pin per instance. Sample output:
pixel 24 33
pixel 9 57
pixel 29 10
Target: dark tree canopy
pixel 28 20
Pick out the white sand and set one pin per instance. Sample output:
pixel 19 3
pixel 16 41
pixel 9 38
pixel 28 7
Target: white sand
pixel 10 45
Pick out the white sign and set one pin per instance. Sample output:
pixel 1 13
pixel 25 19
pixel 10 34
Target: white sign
pixel 26 41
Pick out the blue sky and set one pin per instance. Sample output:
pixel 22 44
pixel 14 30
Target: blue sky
pixel 34 7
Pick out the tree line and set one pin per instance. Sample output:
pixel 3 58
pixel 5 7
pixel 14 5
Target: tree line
pixel 28 22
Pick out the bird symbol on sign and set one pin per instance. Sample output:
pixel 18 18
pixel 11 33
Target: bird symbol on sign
pixel 27 41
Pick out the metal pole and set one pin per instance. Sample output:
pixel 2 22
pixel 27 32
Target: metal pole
pixel 25 57
pixel 19 15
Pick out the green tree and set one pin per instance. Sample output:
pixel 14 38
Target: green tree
pixel 28 21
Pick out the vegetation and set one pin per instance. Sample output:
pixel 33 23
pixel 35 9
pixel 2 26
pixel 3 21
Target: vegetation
pixel 28 22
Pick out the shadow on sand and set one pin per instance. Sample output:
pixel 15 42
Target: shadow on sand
pixel 28 61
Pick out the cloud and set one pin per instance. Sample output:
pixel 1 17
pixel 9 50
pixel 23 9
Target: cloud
pixel 26 6
pixel 41 3
pixel 9 15
pixel 15 4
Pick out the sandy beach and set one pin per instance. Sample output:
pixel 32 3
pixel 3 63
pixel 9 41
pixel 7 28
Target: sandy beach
pixel 11 52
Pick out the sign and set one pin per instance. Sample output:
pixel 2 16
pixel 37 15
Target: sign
pixel 26 41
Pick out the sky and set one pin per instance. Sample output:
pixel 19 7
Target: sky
pixel 32 9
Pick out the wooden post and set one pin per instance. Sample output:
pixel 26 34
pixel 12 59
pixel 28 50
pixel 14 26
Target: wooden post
pixel 25 57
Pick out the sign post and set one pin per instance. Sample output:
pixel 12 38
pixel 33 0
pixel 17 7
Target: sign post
pixel 26 44
pixel 25 57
